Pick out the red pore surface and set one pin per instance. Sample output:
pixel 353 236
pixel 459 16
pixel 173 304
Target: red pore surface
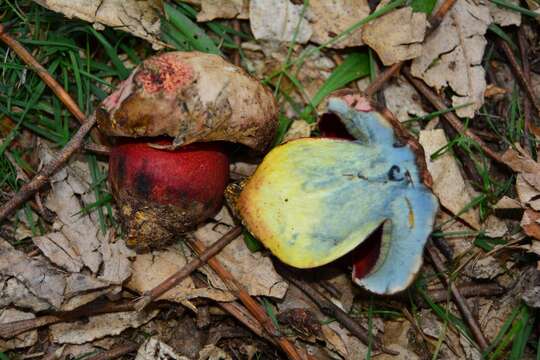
pixel 197 172
pixel 164 73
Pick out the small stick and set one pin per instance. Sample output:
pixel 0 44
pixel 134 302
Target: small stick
pixel 190 267
pixel 250 303
pixel 29 189
pixel 459 299
pixel 518 72
pixel 328 308
pixel 467 290
pixel 527 116
pixel 434 21
pixel 237 41
pixel 439 104
pixel 47 79
pixel 115 352
pixel 98 149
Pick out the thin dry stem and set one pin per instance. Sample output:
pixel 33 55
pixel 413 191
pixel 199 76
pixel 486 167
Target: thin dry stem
pixel 190 267
pixel 459 299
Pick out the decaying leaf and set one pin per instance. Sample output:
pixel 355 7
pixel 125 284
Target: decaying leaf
pixel 218 9
pixel 253 270
pixel 153 349
pixel 505 17
pixel 212 352
pixel 116 264
pixel 150 269
pixel 25 339
pixel 57 248
pixel 99 326
pixel 277 20
pixel 402 99
pixel 394 46
pixel 448 183
pixel 299 129
pixel 140 18
pixel 452 55
pixel 330 18
pixel 15 293
pixel 531 223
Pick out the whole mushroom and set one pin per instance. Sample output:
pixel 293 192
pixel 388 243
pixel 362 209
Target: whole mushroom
pixel 168 166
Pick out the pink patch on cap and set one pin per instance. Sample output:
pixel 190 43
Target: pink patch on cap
pixel 358 102
pixel 164 73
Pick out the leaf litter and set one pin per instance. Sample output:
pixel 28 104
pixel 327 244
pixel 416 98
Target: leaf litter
pixel 79 263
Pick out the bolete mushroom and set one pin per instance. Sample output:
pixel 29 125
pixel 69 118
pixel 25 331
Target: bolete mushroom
pixel 179 105
pixel 313 200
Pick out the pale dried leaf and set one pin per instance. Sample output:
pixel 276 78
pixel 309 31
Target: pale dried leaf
pixel 40 278
pixel 486 268
pixel 59 251
pixel 277 20
pixel 330 18
pixel 341 341
pixel 153 349
pixel 396 36
pixel 219 9
pixel 507 203
pixel 494 227
pixel 528 193
pixel 116 264
pixel 25 339
pixel 521 162
pixel 253 270
pixel 448 183
pixel 403 100
pixel 212 352
pixel 139 18
pixel 150 269
pixel 452 55
pixel 396 337
pixel 15 293
pixel 99 326
pixel 531 223
pixel 299 129
pixel 505 17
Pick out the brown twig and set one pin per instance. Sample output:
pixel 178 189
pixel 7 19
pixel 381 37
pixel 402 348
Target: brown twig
pixel 237 41
pixel 250 303
pixel 527 111
pixel 518 72
pixel 115 352
pixel 47 78
pixel 29 189
pixel 330 309
pixel 387 74
pixel 467 291
pixel 97 149
pixel 190 267
pixel 439 104
pixel 458 298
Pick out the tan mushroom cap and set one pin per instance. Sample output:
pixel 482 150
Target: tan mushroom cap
pixel 191 96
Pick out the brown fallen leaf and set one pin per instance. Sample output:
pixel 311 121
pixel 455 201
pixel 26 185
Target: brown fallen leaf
pixel 153 349
pixel 448 183
pixel 330 18
pixel 505 17
pixel 139 18
pixel 396 36
pixel 452 55
pixel 402 99
pixel 277 20
pixel 99 326
pixel 56 247
pixel 219 9
pixel 531 223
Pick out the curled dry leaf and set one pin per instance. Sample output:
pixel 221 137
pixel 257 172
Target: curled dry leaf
pixel 140 18
pixel 396 44
pixel 278 20
pixel 191 97
pixel 448 183
pixel 99 326
pixel 452 55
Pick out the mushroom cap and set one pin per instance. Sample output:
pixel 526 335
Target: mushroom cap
pixel 313 200
pixel 191 96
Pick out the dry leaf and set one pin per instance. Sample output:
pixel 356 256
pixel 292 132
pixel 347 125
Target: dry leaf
pixel 139 18
pixel 15 293
pixel 402 99
pixel 531 223
pixel 59 251
pixel 330 18
pixel 253 270
pixel 396 337
pixel 505 17
pixel 448 183
pixel 486 268
pixel 116 264
pixel 99 326
pixel 25 339
pixel 396 36
pixel 153 349
pixel 277 20
pixel 150 269
pixel 452 55
pixel 219 9
pixel 528 192
pixel 299 129
pixel 212 352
